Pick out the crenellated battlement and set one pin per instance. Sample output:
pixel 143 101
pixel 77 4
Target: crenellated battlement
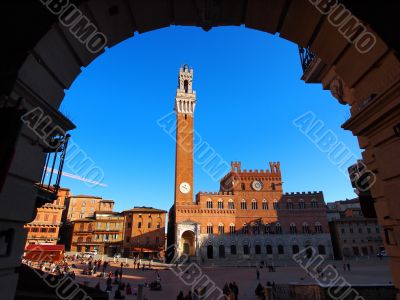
pixel 303 193
pixel 214 193
pixel 274 168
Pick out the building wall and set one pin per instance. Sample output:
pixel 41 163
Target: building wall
pixel 144 229
pixel 83 206
pixel 356 237
pixel 44 229
pixel 103 233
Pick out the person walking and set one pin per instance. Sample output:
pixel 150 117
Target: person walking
pixel 108 284
pixel 348 267
pixel 235 290
pixel 196 295
pixel 180 296
pixel 116 275
pixel 128 289
pixel 258 274
pixel 189 296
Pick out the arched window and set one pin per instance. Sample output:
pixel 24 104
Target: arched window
pixel 186 85
pixel 90 228
pixel 314 203
pixel 246 249
pixel 220 204
pixel 306 228
pixel 245 228
pixel 278 228
pixel 232 228
pixel 269 249
pixel 289 204
pixel 88 239
pixel 293 228
pixel 231 204
pixel 281 249
pixel 276 204
pixel 267 228
pixel 81 226
pixel 318 227
pixel 233 249
pixel 210 252
pixel 209 228
pixel 256 229
pixel 257 249
pixel 321 249
pixel 254 204
pixel 80 239
pixel 243 204
pixel 273 186
pixel 221 229
pixel 209 203
pixel 243 186
pixel 295 249
pixel 264 204
pixel 302 204
pixel 221 251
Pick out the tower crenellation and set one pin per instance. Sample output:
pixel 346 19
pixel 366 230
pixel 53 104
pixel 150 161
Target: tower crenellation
pixel 185 100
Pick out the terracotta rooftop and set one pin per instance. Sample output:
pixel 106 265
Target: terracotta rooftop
pixel 84 220
pixel 86 196
pixel 146 209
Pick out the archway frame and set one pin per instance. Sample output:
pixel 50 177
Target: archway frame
pixel 371 86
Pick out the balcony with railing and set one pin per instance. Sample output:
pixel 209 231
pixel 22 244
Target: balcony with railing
pixel 312 65
pixel 49 185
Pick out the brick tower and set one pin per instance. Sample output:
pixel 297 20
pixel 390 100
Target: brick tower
pixel 185 101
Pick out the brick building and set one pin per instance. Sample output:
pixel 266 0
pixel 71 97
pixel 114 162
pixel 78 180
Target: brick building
pixel 84 206
pixel 352 233
pixel 81 207
pixel 44 229
pixel 250 217
pixel 144 232
pixel 102 232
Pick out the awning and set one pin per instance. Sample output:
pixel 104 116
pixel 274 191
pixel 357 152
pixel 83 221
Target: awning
pixel 44 248
pixel 136 249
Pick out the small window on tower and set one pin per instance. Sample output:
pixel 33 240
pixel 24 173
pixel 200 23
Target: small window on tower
pixel 186 85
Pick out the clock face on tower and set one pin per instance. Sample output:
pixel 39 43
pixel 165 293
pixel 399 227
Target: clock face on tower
pixel 257 185
pixel 184 187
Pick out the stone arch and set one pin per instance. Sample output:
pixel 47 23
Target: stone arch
pixel 188 242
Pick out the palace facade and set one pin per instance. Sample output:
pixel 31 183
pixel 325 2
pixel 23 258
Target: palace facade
pixel 250 217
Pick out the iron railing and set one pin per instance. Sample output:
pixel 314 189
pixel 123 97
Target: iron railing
pixel 306 57
pixel 55 157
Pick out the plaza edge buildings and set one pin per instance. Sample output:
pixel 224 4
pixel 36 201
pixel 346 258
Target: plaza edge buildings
pixel 250 217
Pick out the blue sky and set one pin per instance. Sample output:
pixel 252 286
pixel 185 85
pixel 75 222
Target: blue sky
pixel 248 94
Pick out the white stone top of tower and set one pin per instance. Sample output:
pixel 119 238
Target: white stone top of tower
pixel 185 99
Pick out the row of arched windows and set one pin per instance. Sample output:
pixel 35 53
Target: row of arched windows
pixel 264 204
pixel 280 249
pixel 265 228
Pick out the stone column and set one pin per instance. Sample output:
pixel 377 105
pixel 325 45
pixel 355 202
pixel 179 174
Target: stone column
pixel 377 126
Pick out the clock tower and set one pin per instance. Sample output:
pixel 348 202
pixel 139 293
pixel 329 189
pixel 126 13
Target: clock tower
pixel 185 102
